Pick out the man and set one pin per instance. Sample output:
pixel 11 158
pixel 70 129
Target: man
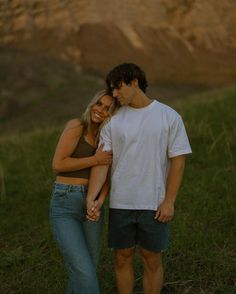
pixel 149 145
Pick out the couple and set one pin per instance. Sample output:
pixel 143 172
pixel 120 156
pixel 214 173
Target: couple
pixel 145 143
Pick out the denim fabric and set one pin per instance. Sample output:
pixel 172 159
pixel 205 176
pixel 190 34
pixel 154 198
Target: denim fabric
pixel 78 239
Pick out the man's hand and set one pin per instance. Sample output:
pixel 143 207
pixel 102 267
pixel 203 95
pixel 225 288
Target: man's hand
pixel 93 210
pixel 165 212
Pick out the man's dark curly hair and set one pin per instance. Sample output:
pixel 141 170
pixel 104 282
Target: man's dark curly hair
pixel 126 72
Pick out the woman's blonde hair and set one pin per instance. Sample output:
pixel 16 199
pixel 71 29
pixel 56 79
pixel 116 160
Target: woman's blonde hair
pixel 86 116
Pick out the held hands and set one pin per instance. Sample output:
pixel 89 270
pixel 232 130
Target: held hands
pixel 93 210
pixel 103 157
pixel 165 212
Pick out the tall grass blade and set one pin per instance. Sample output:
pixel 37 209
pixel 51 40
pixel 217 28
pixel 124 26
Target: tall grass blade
pixel 3 186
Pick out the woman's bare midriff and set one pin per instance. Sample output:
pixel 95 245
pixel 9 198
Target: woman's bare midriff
pixel 71 181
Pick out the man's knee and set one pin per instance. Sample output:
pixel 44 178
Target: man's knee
pixel 124 256
pixel 152 260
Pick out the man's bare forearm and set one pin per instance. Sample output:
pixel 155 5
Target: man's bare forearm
pixel 175 178
pixel 98 175
pixel 165 211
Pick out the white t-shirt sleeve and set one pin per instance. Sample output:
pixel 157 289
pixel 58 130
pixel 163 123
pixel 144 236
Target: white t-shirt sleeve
pixel 105 137
pixel 178 143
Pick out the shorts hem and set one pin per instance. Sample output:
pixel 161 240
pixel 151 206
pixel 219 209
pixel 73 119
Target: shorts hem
pixel 161 250
pixel 121 247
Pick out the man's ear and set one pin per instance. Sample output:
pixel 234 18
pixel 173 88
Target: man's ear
pixel 134 82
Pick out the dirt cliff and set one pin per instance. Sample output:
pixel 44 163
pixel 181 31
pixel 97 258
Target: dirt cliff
pixel 177 41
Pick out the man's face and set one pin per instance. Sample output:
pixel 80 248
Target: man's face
pixel 124 93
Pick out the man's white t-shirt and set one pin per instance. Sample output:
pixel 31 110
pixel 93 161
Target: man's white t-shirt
pixel 142 141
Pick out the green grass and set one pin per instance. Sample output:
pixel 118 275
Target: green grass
pixel 202 255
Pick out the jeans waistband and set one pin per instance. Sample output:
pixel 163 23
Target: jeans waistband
pixel 71 188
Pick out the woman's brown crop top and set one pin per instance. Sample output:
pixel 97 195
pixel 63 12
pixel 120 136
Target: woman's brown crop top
pixel 82 149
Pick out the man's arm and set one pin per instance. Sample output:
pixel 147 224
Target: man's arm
pixel 165 211
pixel 98 175
pixel 104 192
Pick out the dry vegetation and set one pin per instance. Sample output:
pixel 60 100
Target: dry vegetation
pixel 176 41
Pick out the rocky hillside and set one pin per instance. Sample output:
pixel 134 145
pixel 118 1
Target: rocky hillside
pixel 177 41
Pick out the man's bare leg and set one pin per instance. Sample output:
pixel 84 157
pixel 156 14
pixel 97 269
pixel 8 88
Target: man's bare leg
pixel 153 272
pixel 124 270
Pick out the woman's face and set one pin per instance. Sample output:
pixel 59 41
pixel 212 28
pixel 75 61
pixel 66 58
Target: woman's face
pixel 100 110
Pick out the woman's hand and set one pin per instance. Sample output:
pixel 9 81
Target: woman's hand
pixel 93 210
pixel 103 157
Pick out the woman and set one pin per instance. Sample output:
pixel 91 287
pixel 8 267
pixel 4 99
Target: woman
pixel 78 238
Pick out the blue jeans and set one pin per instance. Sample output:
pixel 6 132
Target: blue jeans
pixel 78 239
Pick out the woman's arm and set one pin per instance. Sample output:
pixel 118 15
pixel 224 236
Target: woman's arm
pixel 62 160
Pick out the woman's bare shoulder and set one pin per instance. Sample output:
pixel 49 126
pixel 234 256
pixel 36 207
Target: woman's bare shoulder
pixel 74 123
pixel 75 126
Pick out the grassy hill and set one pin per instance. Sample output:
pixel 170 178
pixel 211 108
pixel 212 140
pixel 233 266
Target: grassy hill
pixel 37 91
pixel 202 255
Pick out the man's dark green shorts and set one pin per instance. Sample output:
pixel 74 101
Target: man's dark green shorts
pixel 128 228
